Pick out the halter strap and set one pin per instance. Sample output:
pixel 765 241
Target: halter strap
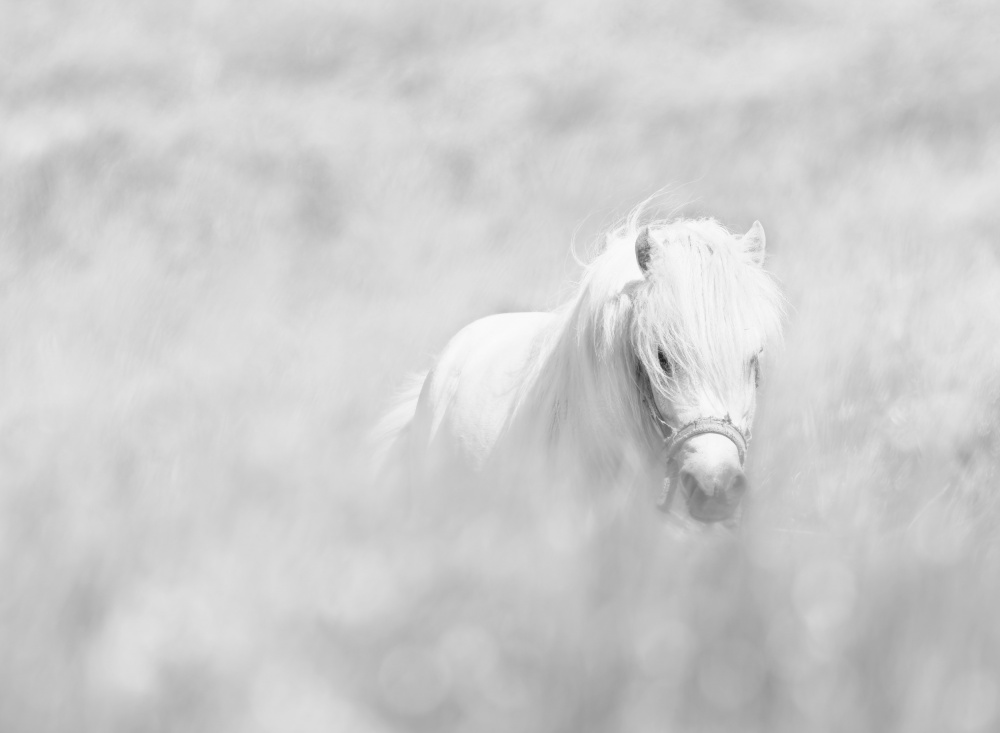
pixel 708 425
pixel 674 440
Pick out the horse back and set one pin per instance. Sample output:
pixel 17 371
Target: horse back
pixel 468 396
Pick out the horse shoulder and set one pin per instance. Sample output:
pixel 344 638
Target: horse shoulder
pixel 468 396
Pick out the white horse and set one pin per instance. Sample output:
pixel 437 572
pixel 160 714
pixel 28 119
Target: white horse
pixel 651 370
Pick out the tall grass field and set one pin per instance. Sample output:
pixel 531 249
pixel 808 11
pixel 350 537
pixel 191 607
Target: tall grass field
pixel 228 231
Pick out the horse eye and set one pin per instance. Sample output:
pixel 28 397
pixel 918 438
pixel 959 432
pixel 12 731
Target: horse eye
pixel 665 364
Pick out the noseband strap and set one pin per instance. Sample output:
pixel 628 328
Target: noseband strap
pixel 673 440
pixel 707 425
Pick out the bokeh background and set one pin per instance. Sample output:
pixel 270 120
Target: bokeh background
pixel 228 230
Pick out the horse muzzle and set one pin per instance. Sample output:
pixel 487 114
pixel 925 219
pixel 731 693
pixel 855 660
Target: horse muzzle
pixel 713 498
pixel 713 491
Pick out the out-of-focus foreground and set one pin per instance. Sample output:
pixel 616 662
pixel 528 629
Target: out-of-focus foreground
pixel 227 230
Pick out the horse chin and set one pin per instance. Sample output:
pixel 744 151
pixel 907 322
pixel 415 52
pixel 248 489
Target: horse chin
pixel 710 511
pixel 709 514
pixel 699 513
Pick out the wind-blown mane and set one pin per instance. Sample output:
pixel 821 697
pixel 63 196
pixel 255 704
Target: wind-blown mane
pixel 703 303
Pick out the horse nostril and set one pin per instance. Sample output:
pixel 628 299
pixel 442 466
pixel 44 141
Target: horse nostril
pixel 737 486
pixel 690 483
pixel 715 499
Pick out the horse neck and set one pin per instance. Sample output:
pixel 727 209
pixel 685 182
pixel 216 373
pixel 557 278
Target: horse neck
pixel 584 390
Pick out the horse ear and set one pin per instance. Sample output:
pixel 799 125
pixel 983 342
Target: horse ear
pixel 753 243
pixel 643 249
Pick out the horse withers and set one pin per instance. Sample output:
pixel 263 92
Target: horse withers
pixel 648 375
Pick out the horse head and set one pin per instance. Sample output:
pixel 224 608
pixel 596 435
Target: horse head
pixel 702 316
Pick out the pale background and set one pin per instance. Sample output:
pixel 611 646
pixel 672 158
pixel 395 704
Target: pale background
pixel 229 229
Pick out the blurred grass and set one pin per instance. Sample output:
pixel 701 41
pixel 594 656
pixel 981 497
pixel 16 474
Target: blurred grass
pixel 226 231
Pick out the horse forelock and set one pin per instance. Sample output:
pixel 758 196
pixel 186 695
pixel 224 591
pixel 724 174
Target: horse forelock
pixel 709 305
pixel 704 300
